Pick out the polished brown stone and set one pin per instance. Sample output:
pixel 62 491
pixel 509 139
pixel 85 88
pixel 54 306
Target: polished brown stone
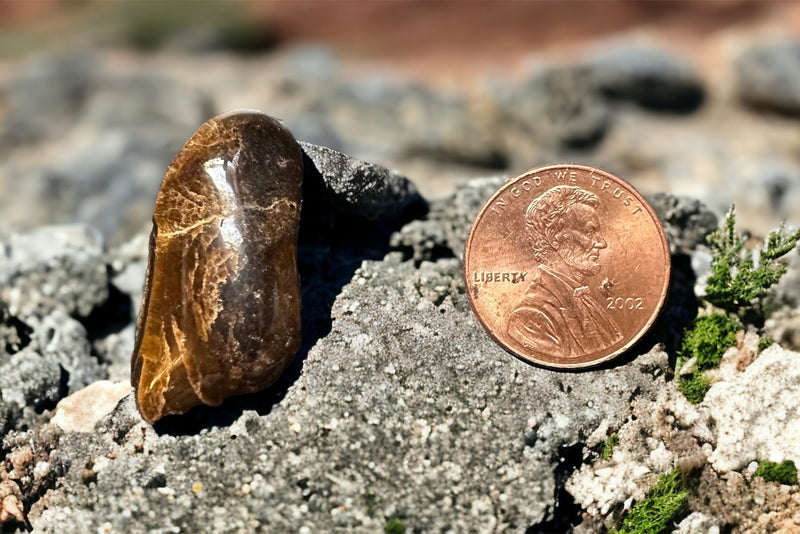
pixel 220 314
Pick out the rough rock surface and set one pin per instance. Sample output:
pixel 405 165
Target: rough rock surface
pixel 53 268
pixel 442 429
pixel 398 407
pixel 444 231
pixel 433 425
pixel 743 419
pixel 687 221
pixel 354 187
pixel 662 432
pixel 55 285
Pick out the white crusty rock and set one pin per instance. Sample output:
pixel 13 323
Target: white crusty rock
pixel 662 433
pixel 755 414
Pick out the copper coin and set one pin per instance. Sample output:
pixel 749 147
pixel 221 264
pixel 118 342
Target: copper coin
pixel 566 266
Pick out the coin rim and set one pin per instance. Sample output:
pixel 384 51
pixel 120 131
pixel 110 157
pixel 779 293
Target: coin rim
pixel 659 230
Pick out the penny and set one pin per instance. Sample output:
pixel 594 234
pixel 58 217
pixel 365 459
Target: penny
pixel 566 266
pixel 220 314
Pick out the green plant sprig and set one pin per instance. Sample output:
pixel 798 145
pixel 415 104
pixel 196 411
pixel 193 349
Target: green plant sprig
pixel 739 281
pixel 741 278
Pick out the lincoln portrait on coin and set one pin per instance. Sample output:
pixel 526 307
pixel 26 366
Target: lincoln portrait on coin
pixel 559 316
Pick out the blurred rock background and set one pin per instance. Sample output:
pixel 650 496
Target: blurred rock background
pixel 693 98
pixel 399 410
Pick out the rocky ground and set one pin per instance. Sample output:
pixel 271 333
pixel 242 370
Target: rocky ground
pixel 399 408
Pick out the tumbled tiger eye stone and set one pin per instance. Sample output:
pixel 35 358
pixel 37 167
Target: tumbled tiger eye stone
pixel 220 314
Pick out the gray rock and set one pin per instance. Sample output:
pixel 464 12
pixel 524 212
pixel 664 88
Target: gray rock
pixel 433 424
pixel 105 166
pixel 386 118
pixel 354 187
pixel 556 106
pixel 443 233
pixel 56 361
pixel 60 267
pixel 768 76
pixel 29 379
pixel 62 339
pixel 46 97
pixel 152 103
pixel 15 334
pixel 400 407
pixel 646 74
pixel 49 277
pixel 686 221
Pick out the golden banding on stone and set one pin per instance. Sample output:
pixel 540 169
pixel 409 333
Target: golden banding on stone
pixel 220 314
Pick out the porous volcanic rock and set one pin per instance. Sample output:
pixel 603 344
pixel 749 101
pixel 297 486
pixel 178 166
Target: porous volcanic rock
pixel 404 408
pixel 399 407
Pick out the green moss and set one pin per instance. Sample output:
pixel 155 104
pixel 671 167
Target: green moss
pixel 708 338
pixel 784 472
pixel 394 526
pixel 765 342
pixel 694 386
pixel 608 447
pixel 739 279
pixel 655 514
